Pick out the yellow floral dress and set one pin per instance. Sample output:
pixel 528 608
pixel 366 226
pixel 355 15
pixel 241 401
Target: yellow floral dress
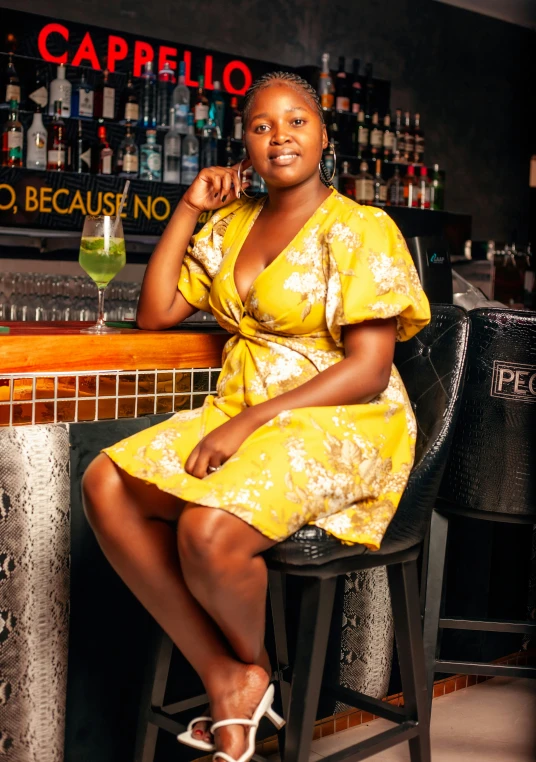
pixel 342 467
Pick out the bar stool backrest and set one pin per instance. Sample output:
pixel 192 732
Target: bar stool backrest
pixel 432 367
pixel 492 462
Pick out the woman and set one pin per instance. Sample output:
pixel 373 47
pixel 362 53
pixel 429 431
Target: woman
pixel 311 422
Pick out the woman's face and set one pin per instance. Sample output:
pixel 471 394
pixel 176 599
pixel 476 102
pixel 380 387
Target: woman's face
pixel 284 136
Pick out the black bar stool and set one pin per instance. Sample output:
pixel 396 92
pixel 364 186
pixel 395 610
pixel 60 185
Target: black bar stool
pixel 491 472
pixel 432 366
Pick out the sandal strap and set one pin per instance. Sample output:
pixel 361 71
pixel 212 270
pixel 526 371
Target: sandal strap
pixel 224 756
pixel 225 723
pixel 195 721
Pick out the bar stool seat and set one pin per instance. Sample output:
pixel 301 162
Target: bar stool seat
pixel 490 475
pixel 432 366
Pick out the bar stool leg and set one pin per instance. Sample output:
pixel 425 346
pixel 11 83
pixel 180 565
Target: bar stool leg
pixel 276 590
pixel 404 587
pixel 153 694
pixel 313 632
pixel 433 586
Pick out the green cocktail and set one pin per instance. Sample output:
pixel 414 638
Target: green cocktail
pixel 102 256
pixel 102 264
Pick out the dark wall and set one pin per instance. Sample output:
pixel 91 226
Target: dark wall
pixel 466 73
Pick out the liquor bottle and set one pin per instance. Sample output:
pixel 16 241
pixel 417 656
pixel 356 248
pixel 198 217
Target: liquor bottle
pixel 388 139
pixel 151 158
pixel 190 154
pixel 257 183
pixel 38 98
pixel 83 99
pixel 229 158
pixel 380 186
pixel 356 88
pixel 529 281
pixel 369 88
pixel 331 168
pixel 437 191
pixel 362 136
pixel 399 146
pixel 411 188
pixel 364 185
pixel 105 98
pixel 57 141
pixel 12 83
pixel 60 92
pixel 208 145
pixel 12 138
pixel 409 139
pixel 424 189
pixel 105 152
pixel 148 96
pixel 81 160
pixel 201 107
pixel 36 151
pixel 395 189
pixel 127 155
pixel 172 151
pixel 325 84
pixel 181 101
pixel 130 106
pixel 347 181
pixel 166 86
pixel 342 99
pixel 216 111
pixel 376 137
pixel 238 127
pixel 418 136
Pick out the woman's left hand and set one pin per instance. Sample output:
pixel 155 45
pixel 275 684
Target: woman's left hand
pixel 218 446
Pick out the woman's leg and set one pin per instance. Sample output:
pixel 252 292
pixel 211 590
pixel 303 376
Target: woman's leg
pixel 223 569
pixel 135 526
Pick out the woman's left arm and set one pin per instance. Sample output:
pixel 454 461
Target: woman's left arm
pixel 363 374
pixel 359 378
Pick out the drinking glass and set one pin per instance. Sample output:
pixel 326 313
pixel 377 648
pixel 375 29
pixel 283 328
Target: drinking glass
pixel 102 256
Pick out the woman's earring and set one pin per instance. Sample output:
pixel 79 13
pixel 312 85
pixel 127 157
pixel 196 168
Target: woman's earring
pixel 323 166
pixel 240 173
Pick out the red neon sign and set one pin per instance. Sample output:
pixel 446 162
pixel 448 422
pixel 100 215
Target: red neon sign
pixel 118 50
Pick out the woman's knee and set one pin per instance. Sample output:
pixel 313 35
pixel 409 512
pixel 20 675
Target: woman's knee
pixel 203 537
pixel 100 485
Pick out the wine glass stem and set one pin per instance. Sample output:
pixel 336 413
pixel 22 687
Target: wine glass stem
pixel 100 319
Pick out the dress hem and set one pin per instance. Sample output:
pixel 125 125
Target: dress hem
pixel 229 509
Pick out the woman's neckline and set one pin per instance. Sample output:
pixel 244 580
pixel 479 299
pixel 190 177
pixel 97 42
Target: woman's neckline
pixel 256 211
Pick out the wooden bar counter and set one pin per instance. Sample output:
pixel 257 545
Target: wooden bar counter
pixel 52 373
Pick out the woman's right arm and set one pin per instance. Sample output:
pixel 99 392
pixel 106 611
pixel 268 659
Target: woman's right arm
pixel 161 304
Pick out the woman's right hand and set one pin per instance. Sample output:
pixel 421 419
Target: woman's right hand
pixel 215 187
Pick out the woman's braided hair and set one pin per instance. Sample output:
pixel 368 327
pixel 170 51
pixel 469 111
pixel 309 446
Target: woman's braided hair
pixel 293 80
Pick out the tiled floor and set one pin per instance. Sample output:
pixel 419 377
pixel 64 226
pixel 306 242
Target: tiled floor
pixel 494 721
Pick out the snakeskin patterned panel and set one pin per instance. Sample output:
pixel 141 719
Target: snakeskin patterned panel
pixel 34 591
pixel 367 634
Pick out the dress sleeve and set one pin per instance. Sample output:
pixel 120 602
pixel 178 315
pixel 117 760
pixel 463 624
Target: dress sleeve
pixel 372 275
pixel 203 257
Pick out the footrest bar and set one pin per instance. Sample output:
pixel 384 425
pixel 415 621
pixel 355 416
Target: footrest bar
pixel 490 670
pixel 164 722
pixel 488 625
pixel 183 706
pixel 367 703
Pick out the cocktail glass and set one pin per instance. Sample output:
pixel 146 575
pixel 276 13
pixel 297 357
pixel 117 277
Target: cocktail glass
pixel 102 256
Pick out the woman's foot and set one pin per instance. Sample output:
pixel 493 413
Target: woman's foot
pixel 201 730
pixel 237 695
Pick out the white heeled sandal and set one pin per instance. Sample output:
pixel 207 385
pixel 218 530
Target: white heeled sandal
pixel 264 709
pixel 197 743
